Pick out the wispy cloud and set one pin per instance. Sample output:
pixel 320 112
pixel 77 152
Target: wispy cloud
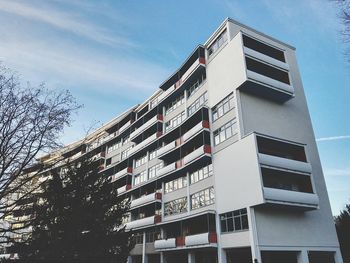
pixel 333 138
pixel 338 172
pixel 64 21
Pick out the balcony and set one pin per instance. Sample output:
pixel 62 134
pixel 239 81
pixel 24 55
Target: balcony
pixel 146 125
pixel 143 222
pixel 203 150
pixel 166 148
pixel 124 127
pixel 284 163
pixel 167 169
pixel 121 173
pixel 293 198
pixel 195 130
pixel 201 239
pixel 199 62
pixel 124 188
pixel 144 143
pixel 263 57
pixel 165 244
pixel 146 199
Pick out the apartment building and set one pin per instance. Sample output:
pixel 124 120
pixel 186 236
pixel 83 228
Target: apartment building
pixel 221 163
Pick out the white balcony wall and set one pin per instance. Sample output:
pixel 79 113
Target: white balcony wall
pixel 144 126
pixel 192 131
pixel 166 148
pixel 285 163
pixel 121 173
pixel 140 222
pixel 167 169
pixel 265 58
pixel 193 155
pixel 142 144
pixel 166 93
pixel 279 195
pixel 122 189
pixel 143 200
pixel 165 243
pixel 269 81
pixel 190 70
pixel 196 240
pixel 123 128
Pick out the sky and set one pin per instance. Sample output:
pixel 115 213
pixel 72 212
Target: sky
pixel 112 55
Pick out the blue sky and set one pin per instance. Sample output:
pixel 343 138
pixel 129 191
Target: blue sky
pixel 114 54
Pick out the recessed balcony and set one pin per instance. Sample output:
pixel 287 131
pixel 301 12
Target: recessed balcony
pixel 124 127
pixel 203 150
pixel 291 198
pixel 124 188
pixel 253 53
pixel 197 128
pixel 167 169
pixel 166 148
pixel 151 220
pixel 144 143
pixel 183 242
pixel 201 239
pixel 146 199
pixel 121 173
pixel 163 244
pixel 146 125
pixel 284 163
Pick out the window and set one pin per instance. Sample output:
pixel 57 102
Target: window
pixel 219 42
pixel 202 198
pixel 113 147
pixel 196 85
pixel 152 235
pixel 234 221
pixel 126 139
pixel 223 107
pixel 175 184
pixel 225 132
pixel 177 120
pixel 174 104
pixel 137 238
pixel 176 206
pixel 201 174
pixel 125 153
pixel 153 154
pixel 153 171
pixel 197 103
pixel 140 161
pixel 140 178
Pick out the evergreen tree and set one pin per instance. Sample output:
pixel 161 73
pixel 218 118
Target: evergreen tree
pixel 77 219
pixel 342 223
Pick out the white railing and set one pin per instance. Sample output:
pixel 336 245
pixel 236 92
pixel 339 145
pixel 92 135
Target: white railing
pixel 192 131
pixel 265 58
pixel 191 69
pixel 165 93
pixel 280 195
pixel 141 222
pixel 285 163
pixel 193 155
pixel 196 240
pixel 167 169
pixel 166 148
pixel 143 143
pixel 123 172
pixel 144 126
pixel 145 199
pixel 269 81
pixel 123 128
pixel 165 243
pixel 123 189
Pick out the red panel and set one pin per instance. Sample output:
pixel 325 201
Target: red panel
pixel 213 238
pixel 128 187
pixel 207 149
pixel 202 60
pixel 180 241
pixel 205 124
pixel 179 164
pixel 158 196
pixel 157 219
pixel 129 170
pixel 160 117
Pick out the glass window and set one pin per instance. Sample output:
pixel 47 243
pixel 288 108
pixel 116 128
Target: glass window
pixel 202 198
pixel 223 107
pixel 125 153
pixel 177 120
pixel 220 41
pixel 225 132
pixel 174 104
pixel 197 103
pixel 140 161
pixel 140 178
pixel 176 206
pixel 234 221
pixel 153 171
pixel 173 185
pixel 201 174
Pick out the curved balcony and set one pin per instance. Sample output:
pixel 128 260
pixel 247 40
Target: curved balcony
pixel 284 163
pixel 143 222
pixel 146 199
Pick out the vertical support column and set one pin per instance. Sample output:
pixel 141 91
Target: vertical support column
pixel 162 209
pixel 222 258
pixel 191 257
pixel 185 96
pixel 256 256
pixel 221 252
pixel 144 256
pixel 129 260
pixel 162 257
pixel 188 193
pixel 338 257
pixel 302 257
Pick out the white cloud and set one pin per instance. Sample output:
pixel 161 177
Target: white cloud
pixel 337 172
pixel 64 21
pixel 333 138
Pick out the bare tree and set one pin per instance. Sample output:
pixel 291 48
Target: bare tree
pixel 344 15
pixel 31 122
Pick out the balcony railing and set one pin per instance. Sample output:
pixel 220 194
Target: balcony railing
pixel 146 125
pixel 123 128
pixel 195 130
pixel 200 239
pixel 165 243
pixel 199 62
pixel 124 188
pixel 144 143
pixel 146 199
pixel 205 149
pixel 143 222
pixel 263 57
pixel 291 197
pixel 166 148
pixel 167 169
pixel 284 163
pixel 121 173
